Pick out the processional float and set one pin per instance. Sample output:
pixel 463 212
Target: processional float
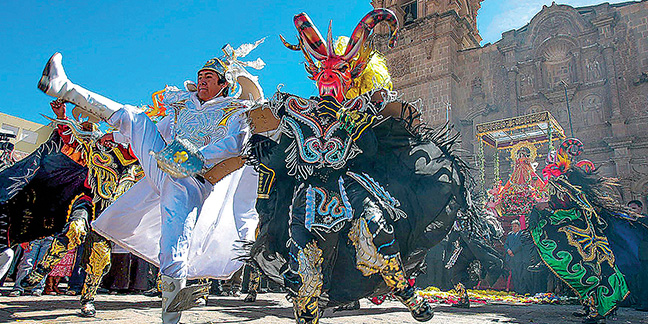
pixel 521 136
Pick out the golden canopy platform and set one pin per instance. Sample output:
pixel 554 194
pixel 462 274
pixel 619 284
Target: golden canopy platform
pixel 535 128
pixel 521 136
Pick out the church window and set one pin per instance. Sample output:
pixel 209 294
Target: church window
pixel 411 12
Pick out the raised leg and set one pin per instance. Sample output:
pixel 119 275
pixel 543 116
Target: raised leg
pixel 55 83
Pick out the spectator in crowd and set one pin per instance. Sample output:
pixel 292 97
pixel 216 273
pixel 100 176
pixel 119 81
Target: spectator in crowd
pixel 232 286
pixel 128 273
pixel 515 259
pixel 62 269
pixel 34 252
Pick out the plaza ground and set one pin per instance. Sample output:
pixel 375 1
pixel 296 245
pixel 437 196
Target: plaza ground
pixel 274 308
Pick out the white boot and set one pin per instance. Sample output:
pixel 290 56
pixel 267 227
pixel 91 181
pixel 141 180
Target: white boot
pixel 170 288
pixel 55 83
pixel 6 257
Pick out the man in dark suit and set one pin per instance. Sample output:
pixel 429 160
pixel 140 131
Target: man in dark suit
pixel 515 257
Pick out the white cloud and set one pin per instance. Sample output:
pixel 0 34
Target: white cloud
pixel 513 14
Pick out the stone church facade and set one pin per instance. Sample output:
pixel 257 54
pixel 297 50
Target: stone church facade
pixel 593 59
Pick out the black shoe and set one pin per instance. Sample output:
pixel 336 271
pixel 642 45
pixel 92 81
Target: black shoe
pixel 579 314
pixel 417 305
pixel 15 293
pixel 251 297
pixel 424 313
pixel 153 292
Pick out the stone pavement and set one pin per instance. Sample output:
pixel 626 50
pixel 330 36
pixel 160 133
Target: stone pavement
pixel 273 308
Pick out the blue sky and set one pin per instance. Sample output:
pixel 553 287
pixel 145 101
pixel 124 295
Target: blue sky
pixel 126 50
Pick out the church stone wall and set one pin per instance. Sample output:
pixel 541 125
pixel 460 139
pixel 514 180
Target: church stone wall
pixel 598 55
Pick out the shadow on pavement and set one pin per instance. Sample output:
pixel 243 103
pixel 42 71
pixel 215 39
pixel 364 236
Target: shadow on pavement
pixel 20 306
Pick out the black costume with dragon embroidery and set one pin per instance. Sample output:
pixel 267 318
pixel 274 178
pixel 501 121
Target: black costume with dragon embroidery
pixel 330 186
pixel 35 193
pixel 393 151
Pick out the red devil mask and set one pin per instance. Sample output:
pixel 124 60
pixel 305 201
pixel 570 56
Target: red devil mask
pixel 335 73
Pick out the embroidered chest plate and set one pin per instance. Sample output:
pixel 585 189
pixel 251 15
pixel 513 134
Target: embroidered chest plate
pixel 206 124
pixel 318 138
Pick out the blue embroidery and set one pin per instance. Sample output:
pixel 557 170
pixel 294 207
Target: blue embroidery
pixel 388 202
pixel 313 144
pixel 386 244
pixel 324 209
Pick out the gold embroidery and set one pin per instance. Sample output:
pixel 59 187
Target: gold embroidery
pixel 310 270
pixel 53 256
pixel 97 266
pixel 266 180
pixel 76 233
pixel 369 261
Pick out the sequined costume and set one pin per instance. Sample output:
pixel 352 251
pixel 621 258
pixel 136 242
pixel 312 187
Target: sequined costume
pixel 217 126
pixel 197 212
pixel 570 233
pixel 111 172
pixel 348 236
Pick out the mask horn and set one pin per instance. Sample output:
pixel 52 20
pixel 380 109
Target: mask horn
pixel 288 45
pixel 330 45
pixel 310 66
pixel 365 27
pixel 311 38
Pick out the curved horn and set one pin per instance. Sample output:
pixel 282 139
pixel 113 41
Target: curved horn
pixel 311 38
pixel 330 48
pixel 587 166
pixel 364 28
pixel 571 146
pixel 288 45
pixel 310 65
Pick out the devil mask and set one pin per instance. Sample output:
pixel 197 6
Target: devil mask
pixel 335 73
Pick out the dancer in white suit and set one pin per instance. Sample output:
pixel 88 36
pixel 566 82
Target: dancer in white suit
pixel 184 202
